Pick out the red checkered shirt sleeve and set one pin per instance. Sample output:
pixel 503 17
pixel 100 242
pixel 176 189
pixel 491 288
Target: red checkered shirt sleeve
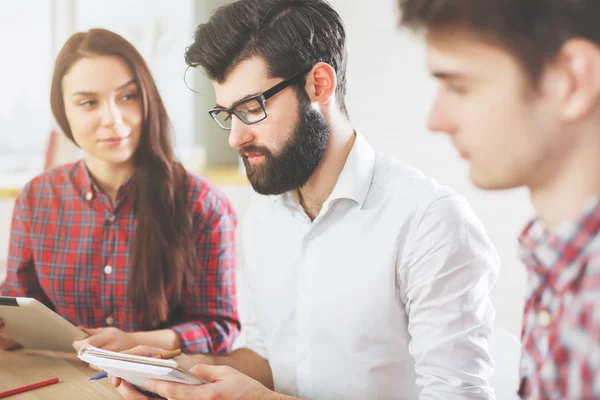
pixel 21 279
pixel 210 298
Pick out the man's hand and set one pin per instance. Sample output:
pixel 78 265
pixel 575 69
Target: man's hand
pixel 223 383
pixel 184 361
pixel 112 339
pixel 5 342
pixel 126 391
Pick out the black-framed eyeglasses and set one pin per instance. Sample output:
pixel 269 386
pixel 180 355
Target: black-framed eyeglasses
pixel 252 109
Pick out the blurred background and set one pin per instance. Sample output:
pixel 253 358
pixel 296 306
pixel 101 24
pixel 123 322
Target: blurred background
pixel 388 98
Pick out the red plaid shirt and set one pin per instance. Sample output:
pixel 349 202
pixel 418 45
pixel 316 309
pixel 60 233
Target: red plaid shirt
pixel 72 251
pixel 561 325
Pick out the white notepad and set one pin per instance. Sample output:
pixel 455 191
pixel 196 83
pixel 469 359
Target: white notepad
pixel 135 369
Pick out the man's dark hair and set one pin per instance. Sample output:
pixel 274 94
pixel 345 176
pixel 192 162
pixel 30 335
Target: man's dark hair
pixel 534 31
pixel 289 35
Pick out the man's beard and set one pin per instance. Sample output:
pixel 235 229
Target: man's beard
pixel 298 159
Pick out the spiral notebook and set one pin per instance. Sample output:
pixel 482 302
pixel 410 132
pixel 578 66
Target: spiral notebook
pixel 135 369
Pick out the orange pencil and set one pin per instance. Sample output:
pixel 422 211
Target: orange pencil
pixel 28 387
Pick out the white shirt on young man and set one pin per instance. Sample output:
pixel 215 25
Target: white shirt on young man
pixel 385 295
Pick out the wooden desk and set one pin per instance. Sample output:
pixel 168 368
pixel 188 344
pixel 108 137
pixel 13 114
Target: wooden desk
pixel 21 367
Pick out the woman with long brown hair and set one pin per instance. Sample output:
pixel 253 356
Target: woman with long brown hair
pixel 125 243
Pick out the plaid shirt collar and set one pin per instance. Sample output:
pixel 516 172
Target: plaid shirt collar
pixel 88 189
pixel 553 253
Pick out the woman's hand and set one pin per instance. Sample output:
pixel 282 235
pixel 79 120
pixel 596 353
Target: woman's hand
pixel 112 339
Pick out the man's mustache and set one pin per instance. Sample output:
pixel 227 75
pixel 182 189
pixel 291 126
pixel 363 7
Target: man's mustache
pixel 253 150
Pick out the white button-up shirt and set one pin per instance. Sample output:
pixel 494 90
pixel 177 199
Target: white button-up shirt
pixel 385 295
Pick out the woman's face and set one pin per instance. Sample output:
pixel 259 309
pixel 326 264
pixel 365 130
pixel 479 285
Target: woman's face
pixel 103 106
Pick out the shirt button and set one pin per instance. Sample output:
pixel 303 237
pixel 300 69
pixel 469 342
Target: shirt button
pixel 109 321
pixel 547 372
pixel 89 196
pixel 304 297
pixel 112 218
pixel 108 270
pixel 309 239
pixel 544 318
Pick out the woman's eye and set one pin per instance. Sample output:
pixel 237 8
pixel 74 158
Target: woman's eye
pixel 87 103
pixel 130 96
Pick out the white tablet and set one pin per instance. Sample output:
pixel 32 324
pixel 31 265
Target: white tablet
pixel 35 326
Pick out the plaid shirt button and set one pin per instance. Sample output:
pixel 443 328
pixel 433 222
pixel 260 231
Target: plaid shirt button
pixel 112 218
pixel 546 372
pixel 109 321
pixel 89 196
pixel 544 319
pixel 108 270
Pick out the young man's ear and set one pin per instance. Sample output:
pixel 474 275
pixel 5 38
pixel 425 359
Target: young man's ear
pixel 321 82
pixel 578 63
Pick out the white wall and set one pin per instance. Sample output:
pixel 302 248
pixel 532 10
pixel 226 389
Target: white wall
pixel 389 93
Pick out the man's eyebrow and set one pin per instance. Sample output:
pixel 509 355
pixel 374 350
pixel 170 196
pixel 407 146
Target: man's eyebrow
pixel 246 97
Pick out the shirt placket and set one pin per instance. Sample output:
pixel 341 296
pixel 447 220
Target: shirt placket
pixel 108 272
pixel 303 313
pixel 109 257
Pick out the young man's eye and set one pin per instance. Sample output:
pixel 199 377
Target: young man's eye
pixel 457 88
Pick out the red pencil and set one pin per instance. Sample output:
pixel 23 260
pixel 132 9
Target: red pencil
pixel 28 387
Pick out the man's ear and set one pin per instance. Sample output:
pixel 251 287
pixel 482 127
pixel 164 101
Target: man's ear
pixel 578 65
pixel 321 82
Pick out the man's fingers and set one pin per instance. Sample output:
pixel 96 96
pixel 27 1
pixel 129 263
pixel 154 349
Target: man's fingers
pixel 179 391
pixel 129 393
pixel 209 373
pixel 114 380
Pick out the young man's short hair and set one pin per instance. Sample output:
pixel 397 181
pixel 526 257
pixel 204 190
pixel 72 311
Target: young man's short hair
pixel 532 30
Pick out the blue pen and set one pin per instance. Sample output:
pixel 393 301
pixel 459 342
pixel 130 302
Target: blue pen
pixel 101 375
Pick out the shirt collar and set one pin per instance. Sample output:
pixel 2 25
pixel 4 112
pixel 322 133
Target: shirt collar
pixel 83 181
pixel 557 250
pixel 88 190
pixel 354 181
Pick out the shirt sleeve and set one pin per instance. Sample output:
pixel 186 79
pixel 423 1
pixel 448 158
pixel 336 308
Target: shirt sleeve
pixel 209 301
pixel 21 279
pixel 448 271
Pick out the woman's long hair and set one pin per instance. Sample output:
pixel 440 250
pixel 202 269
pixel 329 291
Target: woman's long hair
pixel 163 253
